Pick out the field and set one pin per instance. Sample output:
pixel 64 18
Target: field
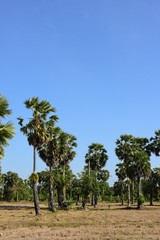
pixel 108 221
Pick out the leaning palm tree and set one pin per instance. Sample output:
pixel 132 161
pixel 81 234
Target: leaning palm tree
pixel 38 132
pixel 7 130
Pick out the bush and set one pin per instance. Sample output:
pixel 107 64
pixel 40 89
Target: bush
pixel 141 199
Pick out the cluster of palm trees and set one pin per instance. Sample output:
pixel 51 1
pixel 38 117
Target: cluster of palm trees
pixel 54 146
pixel 134 154
pixel 57 148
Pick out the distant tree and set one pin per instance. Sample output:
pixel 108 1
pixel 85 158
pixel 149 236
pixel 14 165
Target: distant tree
pixel 67 144
pixel 155 143
pixel 38 132
pixel 125 151
pixel 102 178
pixel 76 184
pixel 96 157
pixel 151 184
pixel 140 165
pixel 122 175
pixel 12 186
pixel 86 186
pixel 43 185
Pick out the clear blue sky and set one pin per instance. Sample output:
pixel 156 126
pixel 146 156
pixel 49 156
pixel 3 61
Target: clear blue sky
pixel 96 61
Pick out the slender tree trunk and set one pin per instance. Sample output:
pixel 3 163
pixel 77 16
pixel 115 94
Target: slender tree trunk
pixel 64 184
pixel 59 198
pixel 122 193
pixel 84 203
pixel 151 199
pixel 103 194
pixel 139 192
pixel 129 194
pixel 77 199
pixel 52 204
pixel 36 200
pixel 92 203
pixel 95 200
pixel 34 159
pixel 35 193
pixel 132 192
pixel 89 171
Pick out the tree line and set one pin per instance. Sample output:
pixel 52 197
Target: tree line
pixel 58 148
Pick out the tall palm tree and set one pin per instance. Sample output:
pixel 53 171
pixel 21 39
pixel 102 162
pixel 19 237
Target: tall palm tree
pixel 7 130
pixel 38 131
pixel 139 166
pixel 49 153
pixel 124 152
pixel 67 143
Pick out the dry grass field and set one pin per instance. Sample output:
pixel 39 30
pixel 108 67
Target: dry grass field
pixel 108 221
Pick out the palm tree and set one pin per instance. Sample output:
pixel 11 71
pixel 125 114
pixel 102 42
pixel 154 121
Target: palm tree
pixel 38 132
pixel 124 151
pixel 155 143
pixel 7 130
pixel 67 143
pixel 139 166
pixel 121 174
pixel 96 159
pixel 49 153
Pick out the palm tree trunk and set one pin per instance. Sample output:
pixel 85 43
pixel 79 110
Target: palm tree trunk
pixel 129 194
pixel 84 203
pixel 59 198
pixel 132 192
pixel 35 193
pixel 36 200
pixel 95 200
pixel 52 204
pixel 122 193
pixel 139 192
pixel 92 203
pixel 151 198
pixel 89 171
pixel 64 184
pixel 34 159
pixel 77 199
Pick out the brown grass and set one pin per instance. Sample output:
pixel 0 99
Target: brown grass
pixel 108 221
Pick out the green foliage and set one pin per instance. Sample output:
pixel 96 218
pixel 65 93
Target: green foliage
pixel 12 186
pixel 34 178
pixel 7 130
pixel 141 199
pixel 96 156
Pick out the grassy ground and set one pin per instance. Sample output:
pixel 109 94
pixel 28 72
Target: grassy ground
pixel 108 221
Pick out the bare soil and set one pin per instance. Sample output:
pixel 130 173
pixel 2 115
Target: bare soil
pixel 107 221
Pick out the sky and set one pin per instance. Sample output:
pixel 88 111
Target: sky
pixel 96 61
